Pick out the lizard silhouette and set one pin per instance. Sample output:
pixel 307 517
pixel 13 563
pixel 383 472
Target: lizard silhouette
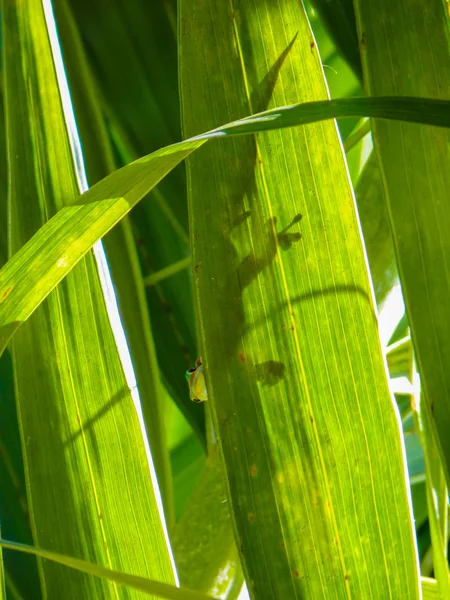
pixel 240 273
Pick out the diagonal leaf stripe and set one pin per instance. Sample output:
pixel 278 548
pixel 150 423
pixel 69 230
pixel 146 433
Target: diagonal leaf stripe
pixel 149 586
pixel 35 270
pixel 163 590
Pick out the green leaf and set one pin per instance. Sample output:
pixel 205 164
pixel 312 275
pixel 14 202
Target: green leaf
pixel 188 462
pixel 376 230
pixel 3 190
pixel 407 52
pixel 294 370
pixel 120 249
pixel 437 501
pixel 156 588
pixel 203 543
pixel 430 588
pixel 339 18
pixel 14 513
pixel 57 247
pixel 88 478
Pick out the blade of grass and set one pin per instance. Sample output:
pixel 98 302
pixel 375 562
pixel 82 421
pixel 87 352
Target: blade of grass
pixel 148 586
pixel 32 273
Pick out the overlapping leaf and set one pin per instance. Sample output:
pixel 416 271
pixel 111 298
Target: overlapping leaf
pixel 405 51
pixel 88 479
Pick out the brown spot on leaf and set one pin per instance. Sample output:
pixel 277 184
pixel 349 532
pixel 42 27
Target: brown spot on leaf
pixel 297 573
pixel 363 41
pixel 254 470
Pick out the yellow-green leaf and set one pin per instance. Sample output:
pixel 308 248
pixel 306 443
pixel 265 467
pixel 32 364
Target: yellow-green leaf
pixel 88 479
pixel 290 345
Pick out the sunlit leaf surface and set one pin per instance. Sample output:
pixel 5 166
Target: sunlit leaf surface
pixel 291 352
pixel 88 480
pixel 57 247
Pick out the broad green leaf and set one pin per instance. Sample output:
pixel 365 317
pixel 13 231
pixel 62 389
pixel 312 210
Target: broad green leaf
pixel 156 588
pixel 406 51
pixel 120 249
pixel 88 480
pixel 34 271
pixel 293 364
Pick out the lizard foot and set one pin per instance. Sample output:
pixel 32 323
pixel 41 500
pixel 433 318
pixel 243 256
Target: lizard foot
pixel 270 372
pixel 286 239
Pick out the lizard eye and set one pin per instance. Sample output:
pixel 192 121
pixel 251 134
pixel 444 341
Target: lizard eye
pixel 192 370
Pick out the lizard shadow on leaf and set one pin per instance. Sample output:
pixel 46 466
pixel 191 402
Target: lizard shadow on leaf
pixel 243 211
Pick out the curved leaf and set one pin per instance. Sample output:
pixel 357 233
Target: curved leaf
pixel 32 273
